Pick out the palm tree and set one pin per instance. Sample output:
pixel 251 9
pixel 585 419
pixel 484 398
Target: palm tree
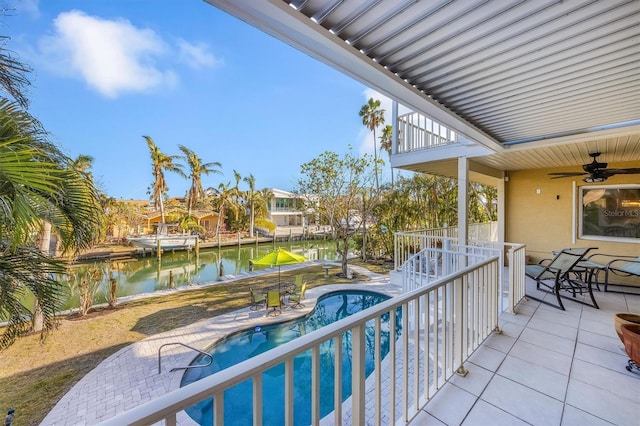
pixel 197 168
pixel 13 73
pixel 261 201
pixel 373 117
pixel 159 163
pixel 83 164
pixel 220 201
pixel 38 185
pixel 236 206
pixel 386 141
pixel 251 181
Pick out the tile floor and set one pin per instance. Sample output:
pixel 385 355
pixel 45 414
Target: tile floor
pixel 548 367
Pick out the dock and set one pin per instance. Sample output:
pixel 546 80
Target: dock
pixel 282 234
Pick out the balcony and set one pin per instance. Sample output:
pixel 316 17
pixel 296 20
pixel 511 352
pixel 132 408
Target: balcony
pixel 418 132
pixel 484 364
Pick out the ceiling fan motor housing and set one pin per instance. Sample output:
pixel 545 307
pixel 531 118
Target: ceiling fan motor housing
pixel 594 165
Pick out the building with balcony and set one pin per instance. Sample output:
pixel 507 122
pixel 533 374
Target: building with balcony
pixel 284 208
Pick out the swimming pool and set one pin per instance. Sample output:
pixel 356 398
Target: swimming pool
pixel 246 344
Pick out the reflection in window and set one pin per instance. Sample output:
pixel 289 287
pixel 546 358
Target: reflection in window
pixel 611 212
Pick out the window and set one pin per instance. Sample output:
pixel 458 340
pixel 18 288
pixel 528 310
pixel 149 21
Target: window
pixel 610 213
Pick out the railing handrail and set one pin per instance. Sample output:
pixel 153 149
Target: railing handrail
pixel 179 399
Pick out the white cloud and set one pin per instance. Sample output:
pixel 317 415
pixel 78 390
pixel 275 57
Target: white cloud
pixel 196 56
pixel 111 56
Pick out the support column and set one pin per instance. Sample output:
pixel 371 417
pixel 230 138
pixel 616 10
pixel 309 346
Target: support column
pixel 501 186
pixel 394 134
pixel 463 199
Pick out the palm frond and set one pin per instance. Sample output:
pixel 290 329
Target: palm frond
pixel 25 270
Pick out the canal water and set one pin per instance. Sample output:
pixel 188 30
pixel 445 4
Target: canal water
pixel 178 269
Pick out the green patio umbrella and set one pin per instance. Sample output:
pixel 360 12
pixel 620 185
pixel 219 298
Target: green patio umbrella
pixel 279 257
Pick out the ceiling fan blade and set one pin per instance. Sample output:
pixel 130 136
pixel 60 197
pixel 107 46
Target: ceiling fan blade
pixel 566 174
pixel 629 171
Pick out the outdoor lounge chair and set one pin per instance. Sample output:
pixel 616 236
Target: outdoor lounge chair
pixel 559 274
pixel 273 302
pixel 296 298
pixel 615 267
pixel 257 301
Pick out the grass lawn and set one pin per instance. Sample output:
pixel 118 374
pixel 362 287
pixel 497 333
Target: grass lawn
pixel 36 376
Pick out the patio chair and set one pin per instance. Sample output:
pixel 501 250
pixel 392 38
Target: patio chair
pixel 615 267
pixel 257 301
pixel 299 281
pixel 555 275
pixel 273 302
pixel 296 299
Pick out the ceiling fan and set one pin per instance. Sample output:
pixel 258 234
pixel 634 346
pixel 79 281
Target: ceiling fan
pixel 596 171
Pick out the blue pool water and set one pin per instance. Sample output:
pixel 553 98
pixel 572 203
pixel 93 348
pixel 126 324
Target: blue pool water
pixel 246 344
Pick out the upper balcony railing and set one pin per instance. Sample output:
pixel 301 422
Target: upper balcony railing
pixel 287 209
pixel 431 331
pixel 417 132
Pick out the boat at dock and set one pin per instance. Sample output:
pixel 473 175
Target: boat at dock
pixel 165 240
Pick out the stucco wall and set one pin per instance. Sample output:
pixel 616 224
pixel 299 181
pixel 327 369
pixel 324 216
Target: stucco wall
pixel 543 221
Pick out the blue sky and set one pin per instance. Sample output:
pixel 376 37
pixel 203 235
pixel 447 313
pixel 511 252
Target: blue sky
pixel 107 72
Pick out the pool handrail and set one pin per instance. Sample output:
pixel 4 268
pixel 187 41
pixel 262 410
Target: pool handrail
pixel 188 366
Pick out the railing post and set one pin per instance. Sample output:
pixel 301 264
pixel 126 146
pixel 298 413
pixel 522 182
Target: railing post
pixel 446 258
pixel 405 362
pixel 315 384
pixel 218 408
pixel 496 277
pixel 392 366
pixel 257 400
pixel 460 324
pixel 512 266
pixel 337 380
pixel 288 392
pixel 358 375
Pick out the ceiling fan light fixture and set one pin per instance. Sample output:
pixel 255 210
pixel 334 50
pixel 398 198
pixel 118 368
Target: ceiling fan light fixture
pixel 594 179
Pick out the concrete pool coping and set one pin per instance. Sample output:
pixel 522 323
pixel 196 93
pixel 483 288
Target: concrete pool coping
pixel 130 376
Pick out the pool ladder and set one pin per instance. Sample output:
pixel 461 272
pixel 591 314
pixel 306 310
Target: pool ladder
pixel 188 366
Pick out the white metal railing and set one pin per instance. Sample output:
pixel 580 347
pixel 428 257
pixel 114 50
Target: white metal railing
pixel 434 263
pixel 437 328
pixel 408 244
pixel 514 291
pixel 517 263
pixel 417 131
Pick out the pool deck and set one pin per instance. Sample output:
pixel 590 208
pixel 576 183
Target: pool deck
pixel 130 377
